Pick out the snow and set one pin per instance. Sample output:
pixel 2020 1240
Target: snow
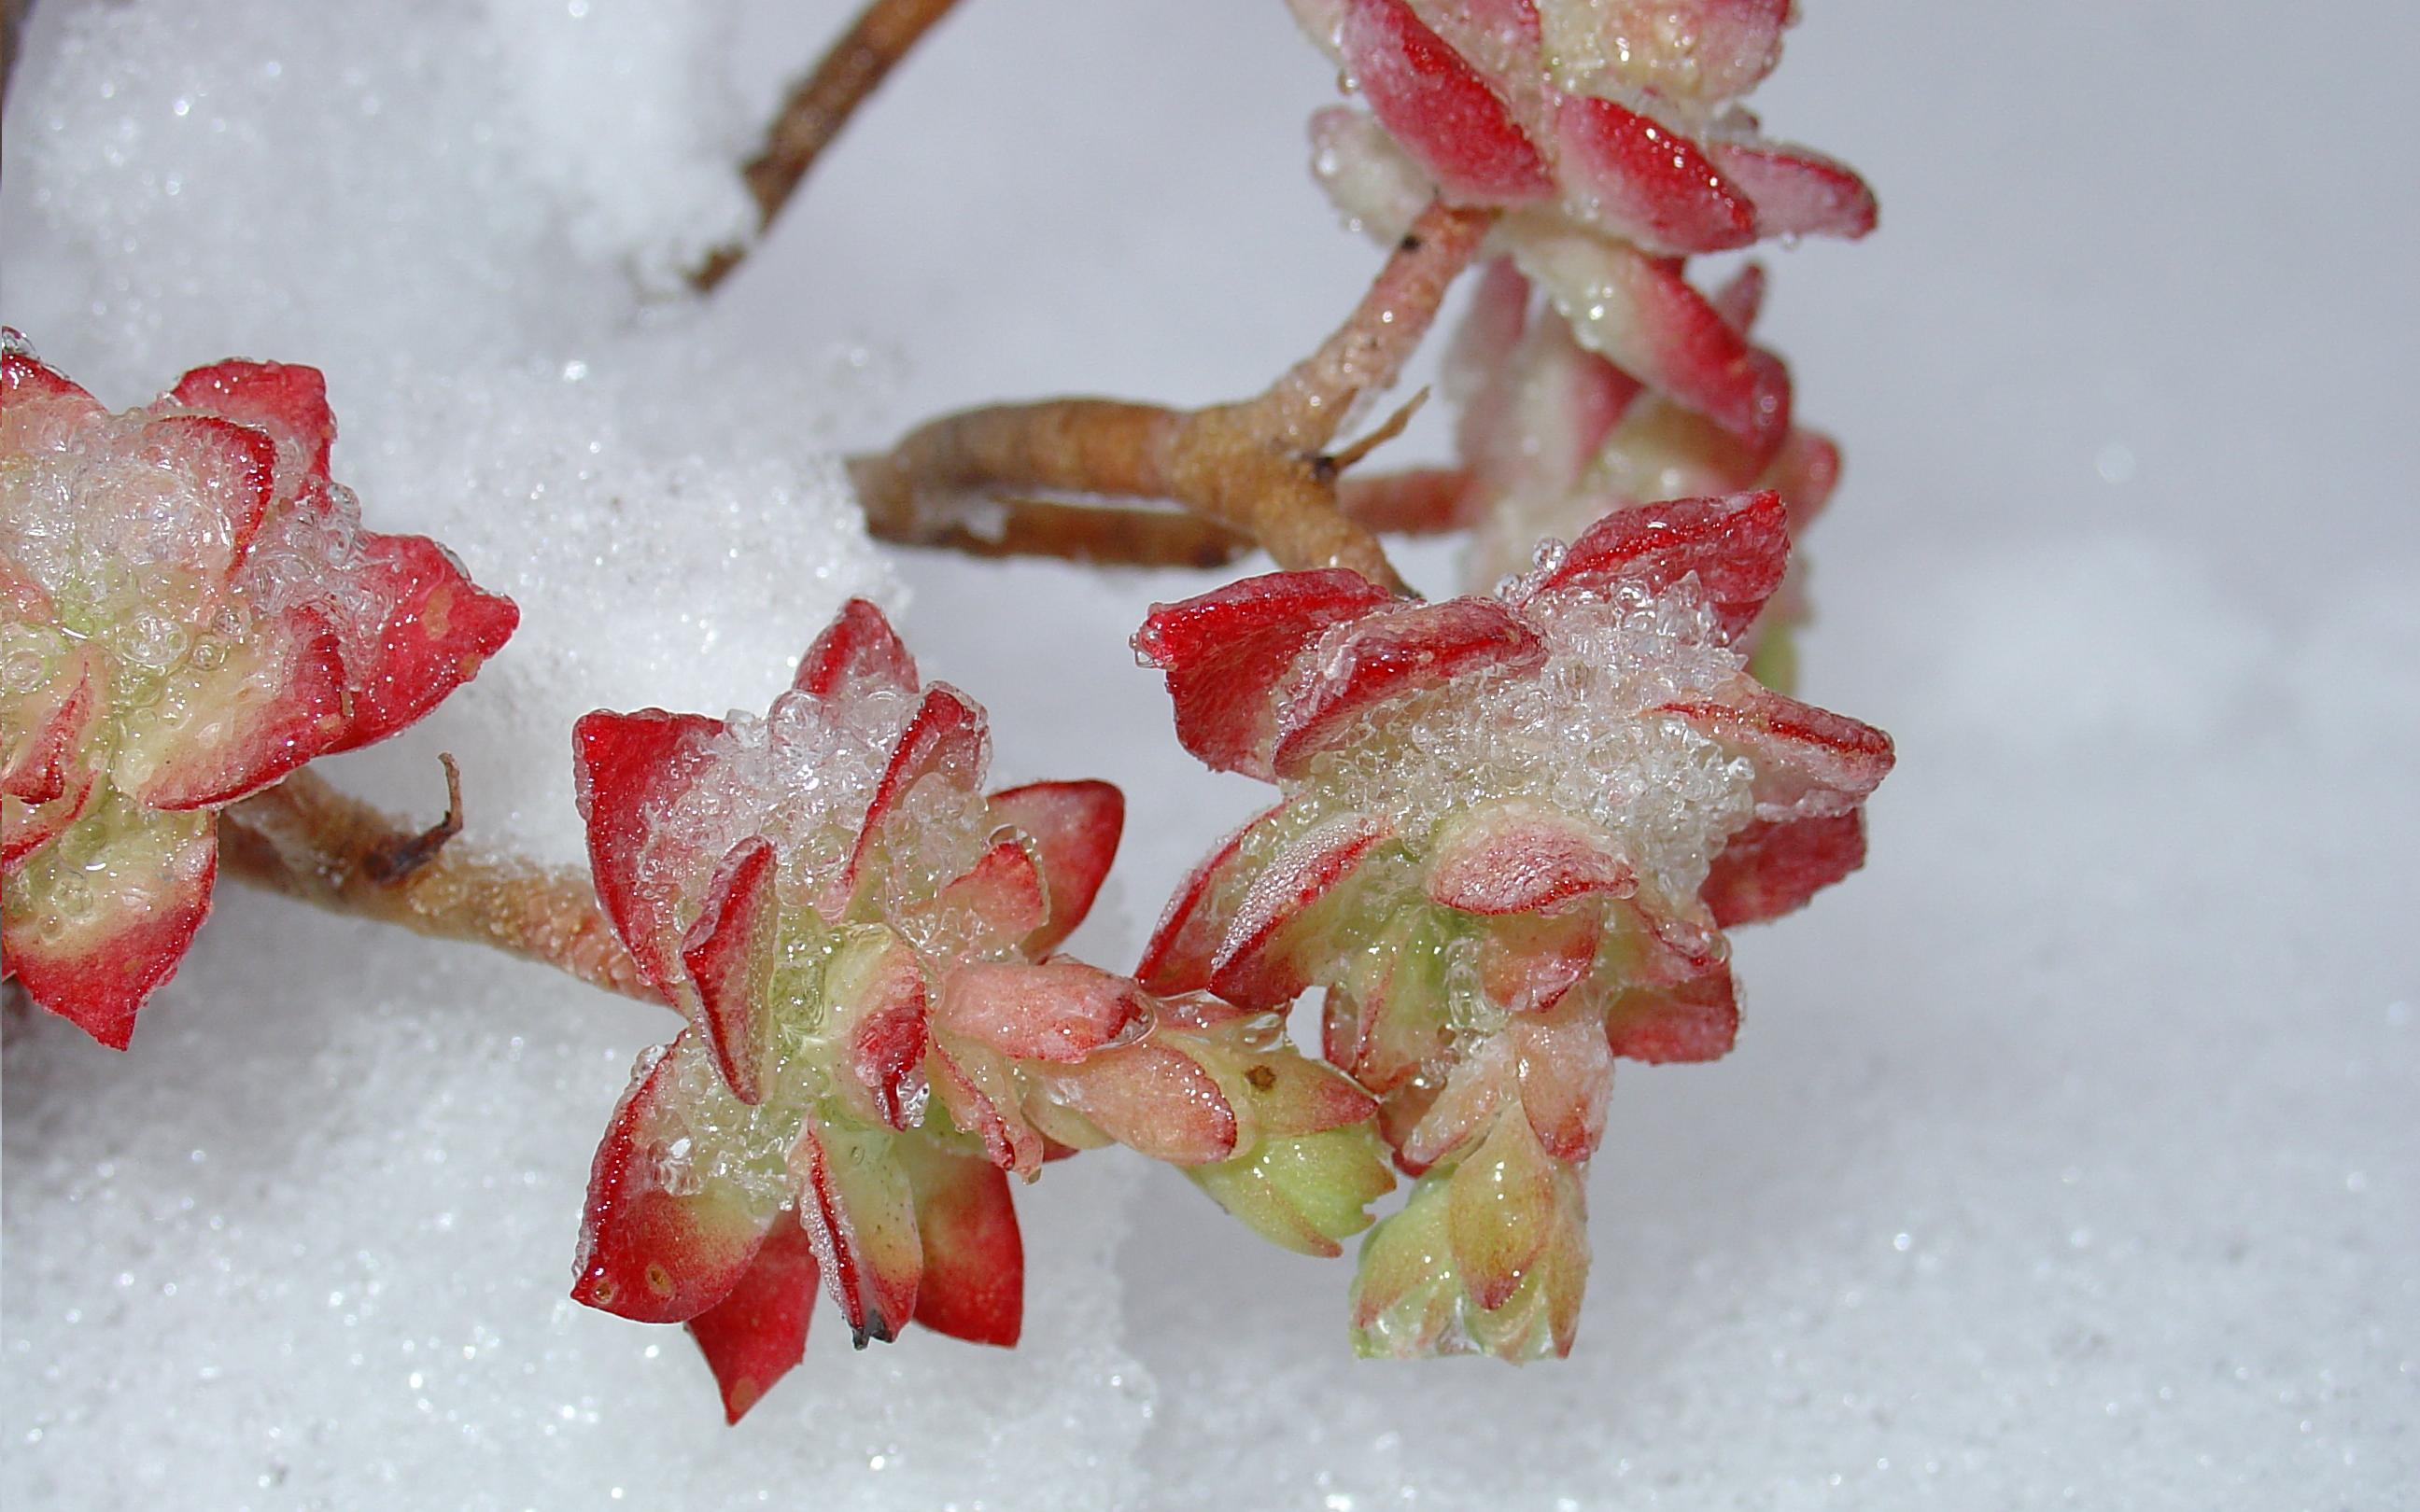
pixel 2068 1154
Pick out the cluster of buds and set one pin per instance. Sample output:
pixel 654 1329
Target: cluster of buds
pixel 192 612
pixel 1512 830
pixel 878 1032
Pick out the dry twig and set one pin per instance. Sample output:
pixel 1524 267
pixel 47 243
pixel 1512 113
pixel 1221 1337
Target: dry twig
pixel 307 841
pixel 820 104
pixel 1258 468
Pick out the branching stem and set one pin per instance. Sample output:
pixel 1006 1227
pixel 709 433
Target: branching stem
pixel 1259 469
pixel 307 841
pixel 820 104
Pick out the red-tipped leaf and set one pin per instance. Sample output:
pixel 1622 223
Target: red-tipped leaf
pixel 756 1333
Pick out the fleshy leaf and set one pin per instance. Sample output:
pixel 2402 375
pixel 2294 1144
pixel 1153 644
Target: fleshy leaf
pixel 1500 1209
pixel 648 1252
pixel 96 921
pixel 754 1335
pixel 1226 650
pixel 859 1214
pixel 627 769
pixel 858 653
pixel 1075 828
pixel 1178 958
pixel 1060 1010
pixel 1646 180
pixel 1151 1098
pixel 1738 547
pixel 1773 866
pixel 1518 856
pixel 1387 655
pixel 1439 107
pixel 1264 959
pixel 974 1257
pixel 727 955
pixel 1694 1020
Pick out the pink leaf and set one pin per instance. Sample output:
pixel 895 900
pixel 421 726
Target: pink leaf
pixel 1647 180
pixel 40 406
pixel 859 1211
pixel 1439 108
pixel 627 770
pixel 1060 1011
pixel 875 984
pixel 1002 893
pixel 1804 472
pixel 1640 311
pixel 857 654
pixel 1500 1210
pixel 1074 829
pixel 1272 940
pixel 1527 961
pixel 1178 959
pixel 1516 857
pixel 1737 547
pixel 1809 762
pixel 1797 191
pixel 974 1257
pixel 1226 651
pixel 1565 1066
pixel 1387 654
pixel 275 702
pixel 1695 1020
pixel 287 401
pixel 978 1091
pixel 91 947
pixel 946 737
pixel 647 1253
pixel 726 954
pixel 438 627
pixel 754 1335
pixel 1774 866
pixel 1156 1100
pixel 1739 301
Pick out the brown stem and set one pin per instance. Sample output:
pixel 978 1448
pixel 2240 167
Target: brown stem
pixel 307 841
pixel 820 105
pixel 1258 468
pixel 1416 502
pixel 12 35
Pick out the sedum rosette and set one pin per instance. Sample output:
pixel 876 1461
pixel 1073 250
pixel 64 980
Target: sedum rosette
pixel 191 610
pixel 878 1032
pixel 1608 132
pixel 1512 832
pixel 1553 436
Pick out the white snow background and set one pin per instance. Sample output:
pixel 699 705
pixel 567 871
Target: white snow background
pixel 2069 1154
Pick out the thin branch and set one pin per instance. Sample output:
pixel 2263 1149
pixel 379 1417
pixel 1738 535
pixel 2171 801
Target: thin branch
pixel 1260 468
pixel 307 841
pixel 12 36
pixel 820 105
pixel 1415 501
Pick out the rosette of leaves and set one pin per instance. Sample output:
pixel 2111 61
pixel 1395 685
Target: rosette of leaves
pixel 1608 132
pixel 191 610
pixel 1512 832
pixel 1554 436
pixel 878 1033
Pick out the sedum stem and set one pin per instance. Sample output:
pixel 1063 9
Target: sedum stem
pixel 820 104
pixel 305 840
pixel 1258 468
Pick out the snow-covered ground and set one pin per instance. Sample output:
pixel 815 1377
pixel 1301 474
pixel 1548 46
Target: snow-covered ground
pixel 2072 1154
